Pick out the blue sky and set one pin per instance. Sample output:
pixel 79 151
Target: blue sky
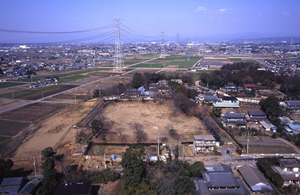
pixel 202 19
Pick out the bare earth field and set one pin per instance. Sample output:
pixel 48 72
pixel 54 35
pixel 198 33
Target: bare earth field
pixel 54 131
pixel 154 117
pixel 6 103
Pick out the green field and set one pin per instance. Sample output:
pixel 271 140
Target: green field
pixel 72 76
pixel 148 65
pixel 9 84
pixel 268 149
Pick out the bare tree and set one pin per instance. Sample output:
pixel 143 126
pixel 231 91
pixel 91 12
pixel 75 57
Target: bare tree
pixel 121 135
pixel 140 134
pixel 164 183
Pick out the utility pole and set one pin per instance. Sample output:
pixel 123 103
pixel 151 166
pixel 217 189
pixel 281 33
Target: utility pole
pixel 248 143
pixel 182 153
pixel 158 140
pixel 75 98
pixel 34 166
pixel 118 58
pixel 104 161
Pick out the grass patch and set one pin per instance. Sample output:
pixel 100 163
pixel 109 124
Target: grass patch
pixel 267 149
pixel 10 84
pixel 4 144
pixel 244 139
pixel 72 78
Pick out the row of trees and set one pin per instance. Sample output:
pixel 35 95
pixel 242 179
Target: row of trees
pixel 173 177
pixel 51 177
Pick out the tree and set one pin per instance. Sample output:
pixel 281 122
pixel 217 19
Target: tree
pixel 5 166
pixel 217 111
pixel 137 80
pixel 196 169
pixel 140 134
pixel 183 103
pixel 49 172
pixel 270 106
pixel 101 126
pixel 133 167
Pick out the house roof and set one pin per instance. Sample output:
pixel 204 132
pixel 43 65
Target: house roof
pixel 293 103
pixel 73 187
pixel 204 137
pixel 221 167
pixel 253 176
pixel 256 113
pixel 290 162
pixel 294 127
pixel 215 179
pixel 250 85
pixel 11 185
pixel 235 115
pixel 30 186
pixel 210 98
pixel 229 98
pixel 226 104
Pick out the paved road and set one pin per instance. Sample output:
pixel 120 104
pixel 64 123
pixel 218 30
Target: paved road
pixel 50 96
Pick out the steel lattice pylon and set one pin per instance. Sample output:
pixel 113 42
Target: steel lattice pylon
pixel 118 57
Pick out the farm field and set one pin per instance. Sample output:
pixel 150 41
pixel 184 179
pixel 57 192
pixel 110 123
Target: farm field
pixel 172 61
pixel 154 117
pixel 31 113
pixel 37 92
pixel 11 128
pixel 10 84
pixel 55 131
pixel 266 149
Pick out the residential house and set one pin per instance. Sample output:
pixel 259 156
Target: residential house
pixel 30 187
pixel 249 86
pixel 292 105
pixel 257 115
pixel 254 179
pixel 220 181
pixel 285 121
pixel 227 102
pixel 204 143
pixel 74 188
pixel 230 87
pixel 11 185
pixel 288 169
pixel 233 119
pixel 207 99
pixel 292 128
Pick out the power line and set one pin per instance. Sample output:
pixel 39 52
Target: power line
pixel 63 32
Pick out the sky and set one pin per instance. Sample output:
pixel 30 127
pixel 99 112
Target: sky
pixel 192 19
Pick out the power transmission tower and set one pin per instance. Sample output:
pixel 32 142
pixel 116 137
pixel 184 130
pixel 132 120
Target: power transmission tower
pixel 118 58
pixel 177 38
pixel 162 51
pixel 292 40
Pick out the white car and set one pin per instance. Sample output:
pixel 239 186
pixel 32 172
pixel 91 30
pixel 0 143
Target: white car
pixel 163 158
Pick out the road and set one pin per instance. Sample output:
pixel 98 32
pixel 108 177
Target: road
pixel 69 90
